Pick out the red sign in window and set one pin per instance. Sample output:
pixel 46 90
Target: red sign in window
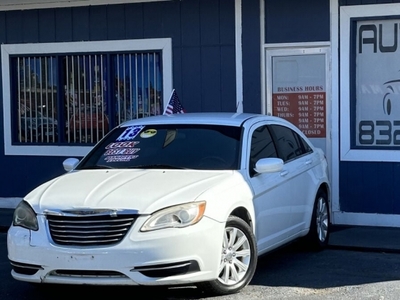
pixel 305 110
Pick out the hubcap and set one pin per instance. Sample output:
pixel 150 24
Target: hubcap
pixel 235 258
pixel 322 219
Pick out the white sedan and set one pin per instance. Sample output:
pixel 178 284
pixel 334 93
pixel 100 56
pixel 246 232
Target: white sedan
pixel 174 200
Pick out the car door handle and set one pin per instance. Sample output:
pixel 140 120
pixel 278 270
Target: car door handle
pixel 284 173
pixel 308 161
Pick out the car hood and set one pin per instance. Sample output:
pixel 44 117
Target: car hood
pixel 142 190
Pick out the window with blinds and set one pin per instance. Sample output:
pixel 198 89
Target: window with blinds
pixel 77 99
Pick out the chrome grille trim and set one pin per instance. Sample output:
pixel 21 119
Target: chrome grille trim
pixel 89 228
pixel 87 274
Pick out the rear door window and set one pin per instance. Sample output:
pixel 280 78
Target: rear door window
pixel 289 144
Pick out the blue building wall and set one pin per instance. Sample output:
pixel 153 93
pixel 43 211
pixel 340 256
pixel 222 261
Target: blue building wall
pixel 251 56
pixel 293 21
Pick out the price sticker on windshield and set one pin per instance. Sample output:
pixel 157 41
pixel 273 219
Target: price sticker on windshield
pixel 130 133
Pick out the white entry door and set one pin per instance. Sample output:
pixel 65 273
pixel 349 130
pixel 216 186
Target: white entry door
pixel 297 89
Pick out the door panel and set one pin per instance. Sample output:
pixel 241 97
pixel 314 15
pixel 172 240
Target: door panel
pixel 299 160
pixel 271 198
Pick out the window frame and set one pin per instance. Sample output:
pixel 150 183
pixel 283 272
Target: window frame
pixel 164 45
pixel 349 15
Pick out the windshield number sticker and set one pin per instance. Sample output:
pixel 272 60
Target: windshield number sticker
pixel 130 133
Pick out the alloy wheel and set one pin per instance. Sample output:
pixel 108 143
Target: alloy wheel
pixel 235 258
pixel 322 219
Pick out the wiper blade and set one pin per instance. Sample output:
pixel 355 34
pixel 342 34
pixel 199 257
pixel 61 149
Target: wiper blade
pixel 96 167
pixel 156 166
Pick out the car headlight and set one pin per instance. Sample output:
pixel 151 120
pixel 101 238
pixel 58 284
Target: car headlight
pixel 24 216
pixel 178 216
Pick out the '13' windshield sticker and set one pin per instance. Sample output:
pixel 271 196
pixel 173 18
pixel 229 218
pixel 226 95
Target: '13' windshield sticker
pixel 130 133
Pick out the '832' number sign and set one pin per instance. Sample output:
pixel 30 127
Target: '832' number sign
pixel 382 133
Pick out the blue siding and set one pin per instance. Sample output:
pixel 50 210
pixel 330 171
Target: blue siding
pixel 396 183
pixel 47 30
pixel 115 25
pixel 209 16
pixel 190 18
pixel 64 25
pixel 80 27
pixel 294 21
pixel 134 21
pixel 191 85
pixel 24 173
pixel 14 33
pixel 203 49
pixel 369 187
pixel 211 60
pixel 30 27
pixel 172 25
pixel 152 24
pixel 98 23
pixel 228 86
pixel 251 56
pixel 226 10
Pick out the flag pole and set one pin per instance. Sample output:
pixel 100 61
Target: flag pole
pixel 166 106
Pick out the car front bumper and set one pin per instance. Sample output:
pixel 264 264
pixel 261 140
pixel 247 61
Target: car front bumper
pixel 162 257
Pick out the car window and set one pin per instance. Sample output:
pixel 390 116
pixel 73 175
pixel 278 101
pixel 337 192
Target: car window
pixel 262 146
pixel 307 148
pixel 289 144
pixel 203 147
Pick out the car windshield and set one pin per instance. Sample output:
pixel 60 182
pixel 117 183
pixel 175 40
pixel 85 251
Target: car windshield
pixel 201 147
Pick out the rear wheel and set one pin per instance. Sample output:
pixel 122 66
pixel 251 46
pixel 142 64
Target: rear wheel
pixel 320 223
pixel 238 259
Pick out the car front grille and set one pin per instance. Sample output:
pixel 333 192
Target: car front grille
pixel 92 230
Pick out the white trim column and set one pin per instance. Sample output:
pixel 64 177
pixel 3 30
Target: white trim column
pixel 335 100
pixel 238 55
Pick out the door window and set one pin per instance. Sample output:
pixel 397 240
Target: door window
pixel 262 146
pixel 289 144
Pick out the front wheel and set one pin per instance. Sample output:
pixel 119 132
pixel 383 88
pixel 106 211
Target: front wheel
pixel 320 223
pixel 238 259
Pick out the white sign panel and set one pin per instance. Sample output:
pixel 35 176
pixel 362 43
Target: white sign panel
pixel 377 84
pixel 369 83
pixel 299 92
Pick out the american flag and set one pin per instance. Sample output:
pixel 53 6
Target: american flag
pixel 174 105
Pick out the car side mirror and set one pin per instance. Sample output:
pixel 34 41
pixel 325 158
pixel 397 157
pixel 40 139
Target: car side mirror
pixel 70 163
pixel 269 165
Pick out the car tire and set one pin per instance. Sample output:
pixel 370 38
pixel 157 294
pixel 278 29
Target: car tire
pixel 238 259
pixel 318 236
